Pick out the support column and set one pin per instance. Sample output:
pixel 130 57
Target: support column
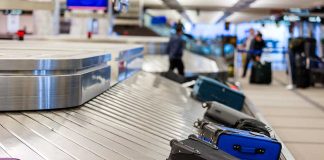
pixel 317 35
pixel 56 17
pixel 43 20
pixel 110 18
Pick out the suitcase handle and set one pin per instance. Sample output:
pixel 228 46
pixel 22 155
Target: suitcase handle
pixel 248 150
pixel 187 149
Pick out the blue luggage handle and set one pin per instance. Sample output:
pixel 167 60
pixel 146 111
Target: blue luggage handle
pixel 248 150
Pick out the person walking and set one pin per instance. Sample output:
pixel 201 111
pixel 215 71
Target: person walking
pixel 255 51
pixel 175 50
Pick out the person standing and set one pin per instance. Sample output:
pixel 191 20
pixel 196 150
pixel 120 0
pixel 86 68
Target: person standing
pixel 175 50
pixel 249 39
pixel 254 52
pixel 247 45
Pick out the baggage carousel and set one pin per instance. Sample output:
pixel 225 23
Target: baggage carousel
pixel 131 115
pixel 42 75
pixel 194 65
pixel 135 119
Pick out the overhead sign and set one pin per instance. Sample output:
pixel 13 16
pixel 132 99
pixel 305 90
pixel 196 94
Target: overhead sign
pixel 87 4
pixel 158 20
pixel 12 12
pixel 13 23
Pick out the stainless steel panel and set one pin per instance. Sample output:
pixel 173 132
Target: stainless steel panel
pixel 135 124
pixel 150 101
pixel 16 148
pixel 99 135
pixel 42 75
pixel 144 144
pixel 4 154
pixel 133 116
pixel 151 136
pixel 123 128
pixel 77 136
pixel 34 141
pixel 55 91
pixel 75 150
pixel 42 59
pixel 151 114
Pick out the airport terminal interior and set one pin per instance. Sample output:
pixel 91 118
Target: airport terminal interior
pixel 162 79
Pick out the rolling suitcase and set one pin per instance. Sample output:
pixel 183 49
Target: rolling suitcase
pixel 303 77
pixel 207 89
pixel 194 148
pixel 261 73
pixel 221 114
pixel 239 143
pixel 174 77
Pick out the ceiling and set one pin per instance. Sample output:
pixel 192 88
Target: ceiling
pixel 287 3
pixel 153 2
pixel 169 13
pixel 209 11
pixel 208 3
pixel 207 17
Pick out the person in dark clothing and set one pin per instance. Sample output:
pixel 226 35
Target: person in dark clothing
pixel 179 25
pixel 175 51
pixel 254 52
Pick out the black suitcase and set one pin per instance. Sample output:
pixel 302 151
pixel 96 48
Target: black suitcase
pixel 174 77
pixel 221 114
pixel 303 77
pixel 310 47
pixel 194 148
pixel 261 73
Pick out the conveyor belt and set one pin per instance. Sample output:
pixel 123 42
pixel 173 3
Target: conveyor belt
pixel 135 119
pixel 194 65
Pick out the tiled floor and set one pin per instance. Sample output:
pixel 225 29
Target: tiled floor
pixel 297 116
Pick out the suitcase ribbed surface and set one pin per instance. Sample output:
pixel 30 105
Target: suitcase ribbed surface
pixel 135 119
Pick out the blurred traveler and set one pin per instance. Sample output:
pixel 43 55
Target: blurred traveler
pixel 247 45
pixel 175 51
pixel 179 25
pixel 255 51
pixel 249 39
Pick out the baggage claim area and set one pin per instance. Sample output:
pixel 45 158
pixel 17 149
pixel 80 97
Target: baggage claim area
pixel 161 79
